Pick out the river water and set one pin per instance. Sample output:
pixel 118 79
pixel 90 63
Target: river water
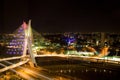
pixel 79 70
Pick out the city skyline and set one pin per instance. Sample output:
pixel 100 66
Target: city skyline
pixel 26 54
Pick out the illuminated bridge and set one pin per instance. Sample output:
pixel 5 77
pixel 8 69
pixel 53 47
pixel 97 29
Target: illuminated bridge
pixel 22 43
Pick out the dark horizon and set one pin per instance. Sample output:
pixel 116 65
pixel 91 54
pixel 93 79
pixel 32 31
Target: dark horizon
pixel 61 16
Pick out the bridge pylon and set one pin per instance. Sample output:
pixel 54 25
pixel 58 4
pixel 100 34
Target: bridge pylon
pixel 28 40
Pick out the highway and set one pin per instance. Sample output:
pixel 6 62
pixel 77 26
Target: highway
pixel 12 66
pixel 12 58
pixel 34 74
pixel 86 58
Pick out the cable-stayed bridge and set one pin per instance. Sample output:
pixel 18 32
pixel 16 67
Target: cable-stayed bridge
pixel 22 44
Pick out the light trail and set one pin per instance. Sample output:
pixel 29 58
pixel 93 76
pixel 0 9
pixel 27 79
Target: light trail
pixel 31 72
pixel 11 58
pixel 88 58
pixel 19 73
pixel 13 65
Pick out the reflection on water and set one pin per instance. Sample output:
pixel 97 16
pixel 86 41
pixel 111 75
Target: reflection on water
pixel 79 70
pixel 84 73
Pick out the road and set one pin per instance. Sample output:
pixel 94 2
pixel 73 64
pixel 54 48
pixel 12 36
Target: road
pixel 32 73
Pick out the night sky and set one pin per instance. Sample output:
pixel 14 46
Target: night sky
pixel 61 15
